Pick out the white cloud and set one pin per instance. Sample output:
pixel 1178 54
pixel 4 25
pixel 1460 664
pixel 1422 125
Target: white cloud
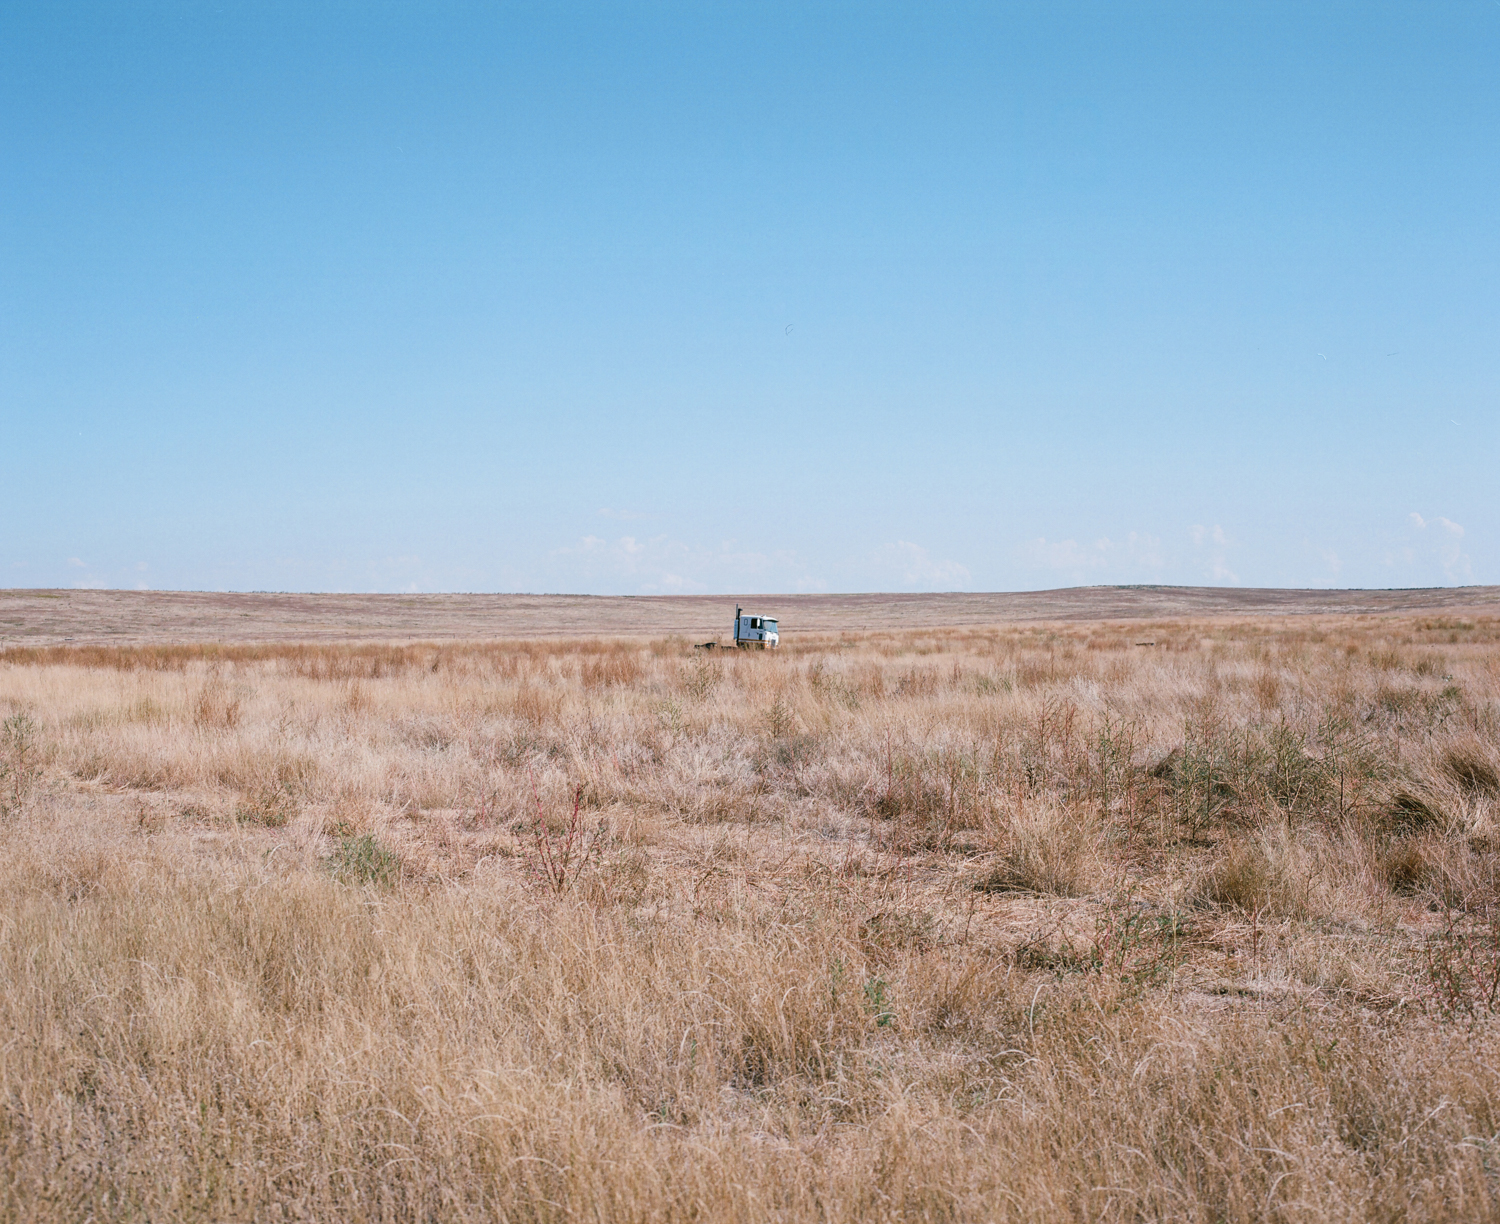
pixel 1433 542
pixel 1138 555
pixel 914 568
pixel 1212 546
pixel 76 563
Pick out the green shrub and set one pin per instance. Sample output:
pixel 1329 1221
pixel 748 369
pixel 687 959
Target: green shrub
pixel 363 860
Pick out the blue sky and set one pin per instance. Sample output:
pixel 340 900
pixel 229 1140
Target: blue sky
pixel 640 298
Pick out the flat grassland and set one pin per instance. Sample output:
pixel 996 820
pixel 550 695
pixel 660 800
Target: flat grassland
pixel 41 618
pixel 1181 919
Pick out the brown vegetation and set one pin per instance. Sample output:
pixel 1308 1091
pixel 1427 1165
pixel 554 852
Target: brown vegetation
pixel 223 618
pixel 971 924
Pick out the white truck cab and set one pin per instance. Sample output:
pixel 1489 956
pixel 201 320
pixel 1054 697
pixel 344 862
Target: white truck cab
pixel 754 631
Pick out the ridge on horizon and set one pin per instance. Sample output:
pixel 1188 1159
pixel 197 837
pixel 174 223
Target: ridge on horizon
pixel 53 592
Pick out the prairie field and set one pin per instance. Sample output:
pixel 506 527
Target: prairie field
pixel 1162 920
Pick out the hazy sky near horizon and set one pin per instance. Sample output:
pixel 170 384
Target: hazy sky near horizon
pixel 646 298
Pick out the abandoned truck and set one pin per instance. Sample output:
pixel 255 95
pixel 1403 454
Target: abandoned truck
pixel 754 631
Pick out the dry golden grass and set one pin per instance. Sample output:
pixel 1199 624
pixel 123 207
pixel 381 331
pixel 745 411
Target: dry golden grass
pixel 964 925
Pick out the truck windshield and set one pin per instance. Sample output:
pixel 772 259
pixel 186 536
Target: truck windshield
pixel 770 624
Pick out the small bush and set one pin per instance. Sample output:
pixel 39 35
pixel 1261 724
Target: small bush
pixel 559 858
pixel 1294 779
pixel 780 720
pixel 272 807
pixel 877 1001
pixel 1462 969
pixel 701 678
pixel 1136 944
pixel 20 762
pixel 363 860
pixel 1198 777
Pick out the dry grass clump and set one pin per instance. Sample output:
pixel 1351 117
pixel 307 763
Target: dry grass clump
pixel 1006 924
pixel 1471 764
pixel 215 705
pixel 1271 871
pixel 1045 848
